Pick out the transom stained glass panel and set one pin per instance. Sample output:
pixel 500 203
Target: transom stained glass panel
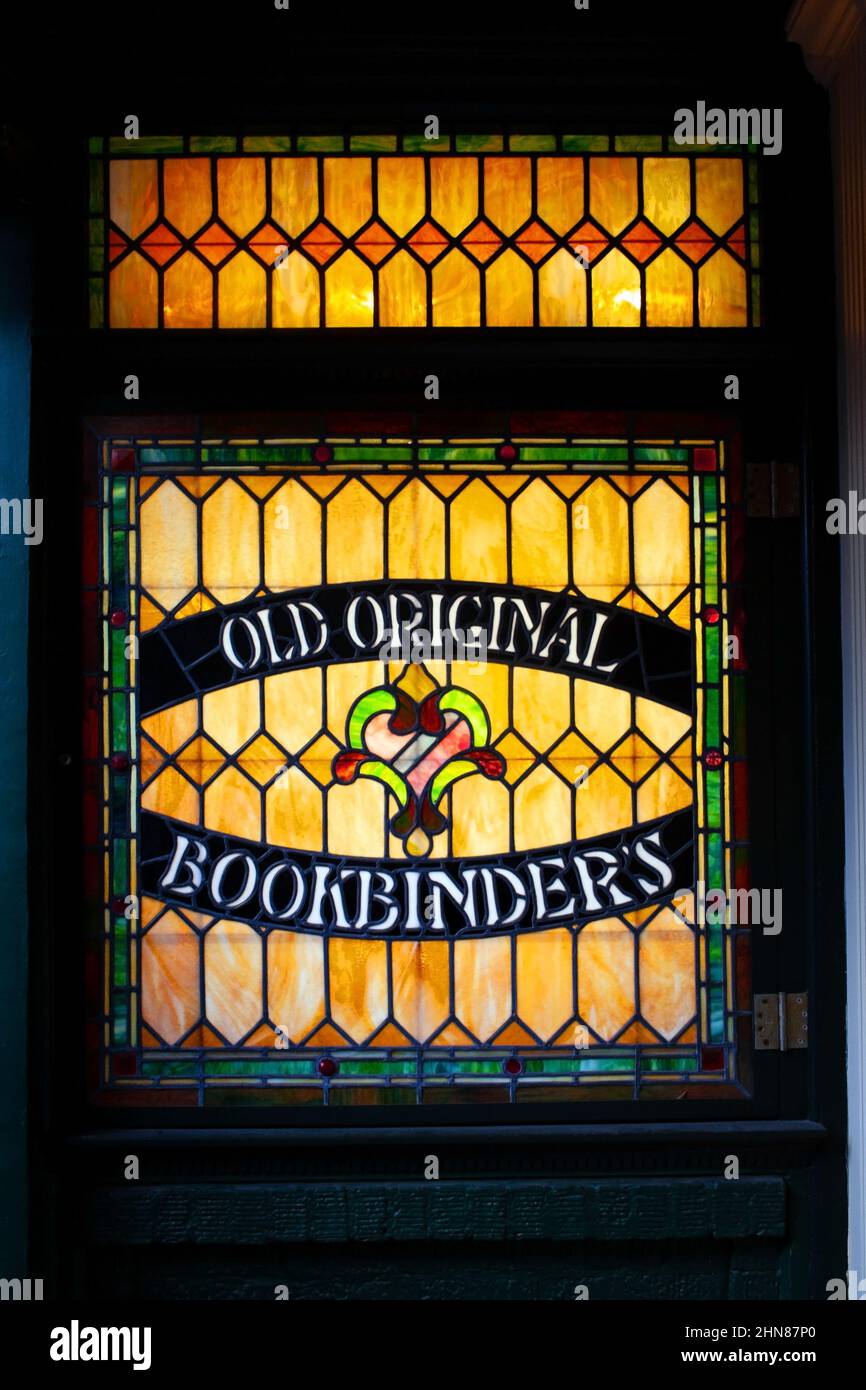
pixel 375 232
pixel 408 766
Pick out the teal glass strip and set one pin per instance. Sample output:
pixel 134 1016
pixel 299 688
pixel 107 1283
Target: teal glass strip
pixel 97 186
pixel 419 144
pixel 213 144
pixel 711 655
pixel 478 144
pixel 711 565
pixel 669 1064
pixel 274 453
pixel 120 867
pixel 711 495
pixel 119 1021
pixel 456 454
pixel 121 953
pixel 119 664
pixel 529 144
pixel 638 144
pixel 582 144
pixel 147 144
pixel 371 453
pixel 185 1067
pixel 118 558
pixel 553 453
pixel 714 861
pixel 119 722
pixel 373 144
pixel 320 144
pixel 670 455
pixel 714 800
pixel 267 144
pixel 712 723
pixel 171 455
pixel 119 502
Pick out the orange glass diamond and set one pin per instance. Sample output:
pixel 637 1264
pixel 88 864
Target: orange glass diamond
pixel 215 243
pixel 535 241
pixel 641 241
pixel 428 242
pixel 375 242
pixel 588 240
pixel 481 240
pixel 267 242
pixel 161 244
pixel 694 242
pixel 321 243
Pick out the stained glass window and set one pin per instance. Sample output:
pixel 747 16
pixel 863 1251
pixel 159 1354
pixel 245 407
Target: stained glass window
pixel 410 764
pixel 378 231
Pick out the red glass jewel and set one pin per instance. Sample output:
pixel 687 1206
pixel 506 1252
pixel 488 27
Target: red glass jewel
pixel 713 757
pixel 327 1066
pixel 513 1066
pixel 118 618
pixel 119 762
pixel 711 616
pixel 323 453
pixel 507 452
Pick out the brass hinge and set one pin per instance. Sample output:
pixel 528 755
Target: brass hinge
pixel 772 489
pixel 781 1022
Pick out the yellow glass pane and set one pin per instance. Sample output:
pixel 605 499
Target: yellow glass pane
pixel 358 977
pixel 421 986
pixel 667 196
pixel 172 795
pixel 562 292
pixel 133 293
pixel 348 193
pixel 613 192
pixel 355 534
pixel 600 542
pixel 402 293
pixel 296 982
pixel 482 984
pixel 186 185
pixel 293 538
pixel 662 793
pixel 295 193
pixel 400 193
pixel 233 978
pixel 345 682
pixel 296 292
pixel 662 535
pixel 232 716
pixel 669 283
pixel 230 543
pixel 416 533
pixel 169 530
pixel 542 810
pixel 356 819
pixel 602 802
pixel 662 726
pixel 719 192
pixel 542 706
pixel 454 193
pixel 539 544
pixel 233 804
pixel 242 293
pixel 348 293
pixel 241 193
pixel 560 193
pixel 294 810
pixel 188 288
pixel 601 713
pixel 479 817
pixel 173 726
pixel 456 292
pixel 507 192
pixel 170 1001
pixel 509 292
pixel 667 973
pixel 605 975
pixel 490 681
pixel 722 293
pixel 293 707
pixel 133 194
pixel 478 535
pixel 545 976
pixel 616 295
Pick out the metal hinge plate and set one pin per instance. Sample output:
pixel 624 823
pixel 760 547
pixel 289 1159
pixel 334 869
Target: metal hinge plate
pixel 781 1022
